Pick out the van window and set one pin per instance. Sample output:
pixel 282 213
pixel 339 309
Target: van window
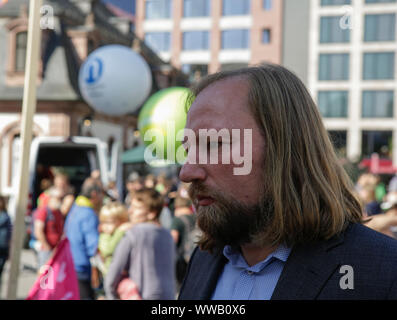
pixel 76 161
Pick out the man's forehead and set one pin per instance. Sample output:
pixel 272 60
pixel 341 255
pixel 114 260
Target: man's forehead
pixel 220 105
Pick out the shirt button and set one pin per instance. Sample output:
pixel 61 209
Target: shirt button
pixel 250 272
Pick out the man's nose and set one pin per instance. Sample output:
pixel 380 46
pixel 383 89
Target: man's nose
pixel 191 172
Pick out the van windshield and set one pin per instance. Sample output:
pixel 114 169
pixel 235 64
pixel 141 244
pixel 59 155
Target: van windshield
pixel 77 161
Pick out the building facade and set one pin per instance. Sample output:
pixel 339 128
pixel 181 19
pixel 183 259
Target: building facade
pixel 204 36
pixel 349 67
pixel 77 27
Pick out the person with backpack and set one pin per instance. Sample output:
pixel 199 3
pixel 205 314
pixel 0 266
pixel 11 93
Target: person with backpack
pixel 5 234
pixel 47 227
pixel 183 231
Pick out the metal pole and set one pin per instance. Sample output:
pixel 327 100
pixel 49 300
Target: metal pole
pixel 28 110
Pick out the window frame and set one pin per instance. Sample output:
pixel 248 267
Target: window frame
pixel 207 5
pixel 249 6
pixel 158 18
pixel 247 33
pixel 202 39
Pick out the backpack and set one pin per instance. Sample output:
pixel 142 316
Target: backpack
pixel 5 231
pixel 33 239
pixel 190 237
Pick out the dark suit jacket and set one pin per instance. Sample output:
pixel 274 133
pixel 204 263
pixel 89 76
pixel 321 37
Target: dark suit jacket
pixel 313 271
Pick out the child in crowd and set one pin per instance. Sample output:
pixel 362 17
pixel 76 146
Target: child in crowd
pixel 113 218
pixel 114 223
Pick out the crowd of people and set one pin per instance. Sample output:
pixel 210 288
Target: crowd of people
pixel 138 246
pixel 379 202
pixel 139 241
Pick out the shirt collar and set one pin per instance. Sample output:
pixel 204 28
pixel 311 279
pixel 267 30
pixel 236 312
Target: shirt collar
pixel 82 201
pixel 237 260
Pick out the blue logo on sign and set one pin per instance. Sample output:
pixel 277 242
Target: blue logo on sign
pixel 94 70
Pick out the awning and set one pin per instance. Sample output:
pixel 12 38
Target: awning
pixel 134 155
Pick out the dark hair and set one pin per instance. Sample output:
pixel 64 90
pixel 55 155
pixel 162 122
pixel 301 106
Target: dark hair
pixel 312 195
pixel 152 199
pixel 90 185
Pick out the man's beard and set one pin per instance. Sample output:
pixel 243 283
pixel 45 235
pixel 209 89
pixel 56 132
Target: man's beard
pixel 228 221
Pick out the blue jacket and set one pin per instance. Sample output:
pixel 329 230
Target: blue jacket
pixel 315 270
pixel 81 228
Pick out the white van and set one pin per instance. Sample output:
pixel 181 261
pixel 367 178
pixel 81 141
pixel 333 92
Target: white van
pixel 77 156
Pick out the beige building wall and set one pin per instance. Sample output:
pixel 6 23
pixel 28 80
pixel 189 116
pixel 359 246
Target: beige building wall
pixel 271 20
pixel 215 44
pixel 258 20
pixel 176 34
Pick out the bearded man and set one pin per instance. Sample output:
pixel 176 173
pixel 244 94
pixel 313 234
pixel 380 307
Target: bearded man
pixel 291 228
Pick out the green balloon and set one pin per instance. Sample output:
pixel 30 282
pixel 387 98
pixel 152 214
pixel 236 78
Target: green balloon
pixel 161 118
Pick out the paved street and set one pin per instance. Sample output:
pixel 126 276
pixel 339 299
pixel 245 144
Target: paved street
pixel 27 275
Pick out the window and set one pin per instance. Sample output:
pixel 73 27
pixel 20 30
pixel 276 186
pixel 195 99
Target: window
pixel 334 66
pixel 380 27
pixel 15 157
pixel 377 141
pixel 195 71
pixel 233 66
pixel 333 104
pixel 267 5
pixel 196 8
pixel 20 52
pixel 378 66
pixel 339 141
pixel 377 104
pixel 330 30
pixel 196 40
pixel 266 36
pixel 158 9
pixel 235 39
pixel 236 7
pixel 334 2
pixel 379 1
pixel 158 41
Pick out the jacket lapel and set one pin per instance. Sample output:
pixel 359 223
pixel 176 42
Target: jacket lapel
pixel 307 270
pixel 202 276
pixel 212 275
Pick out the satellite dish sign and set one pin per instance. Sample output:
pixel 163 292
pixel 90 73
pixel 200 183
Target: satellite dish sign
pixel 115 80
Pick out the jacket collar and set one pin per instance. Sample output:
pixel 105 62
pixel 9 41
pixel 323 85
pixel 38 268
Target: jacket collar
pixel 82 201
pixel 307 269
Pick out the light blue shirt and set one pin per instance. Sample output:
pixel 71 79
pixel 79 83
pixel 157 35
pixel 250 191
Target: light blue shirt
pixel 239 281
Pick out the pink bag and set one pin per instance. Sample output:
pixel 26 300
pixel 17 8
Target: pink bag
pixel 128 290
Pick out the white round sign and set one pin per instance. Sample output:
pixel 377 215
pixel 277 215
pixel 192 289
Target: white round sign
pixel 115 80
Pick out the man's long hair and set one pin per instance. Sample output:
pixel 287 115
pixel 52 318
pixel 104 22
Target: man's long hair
pixel 312 195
